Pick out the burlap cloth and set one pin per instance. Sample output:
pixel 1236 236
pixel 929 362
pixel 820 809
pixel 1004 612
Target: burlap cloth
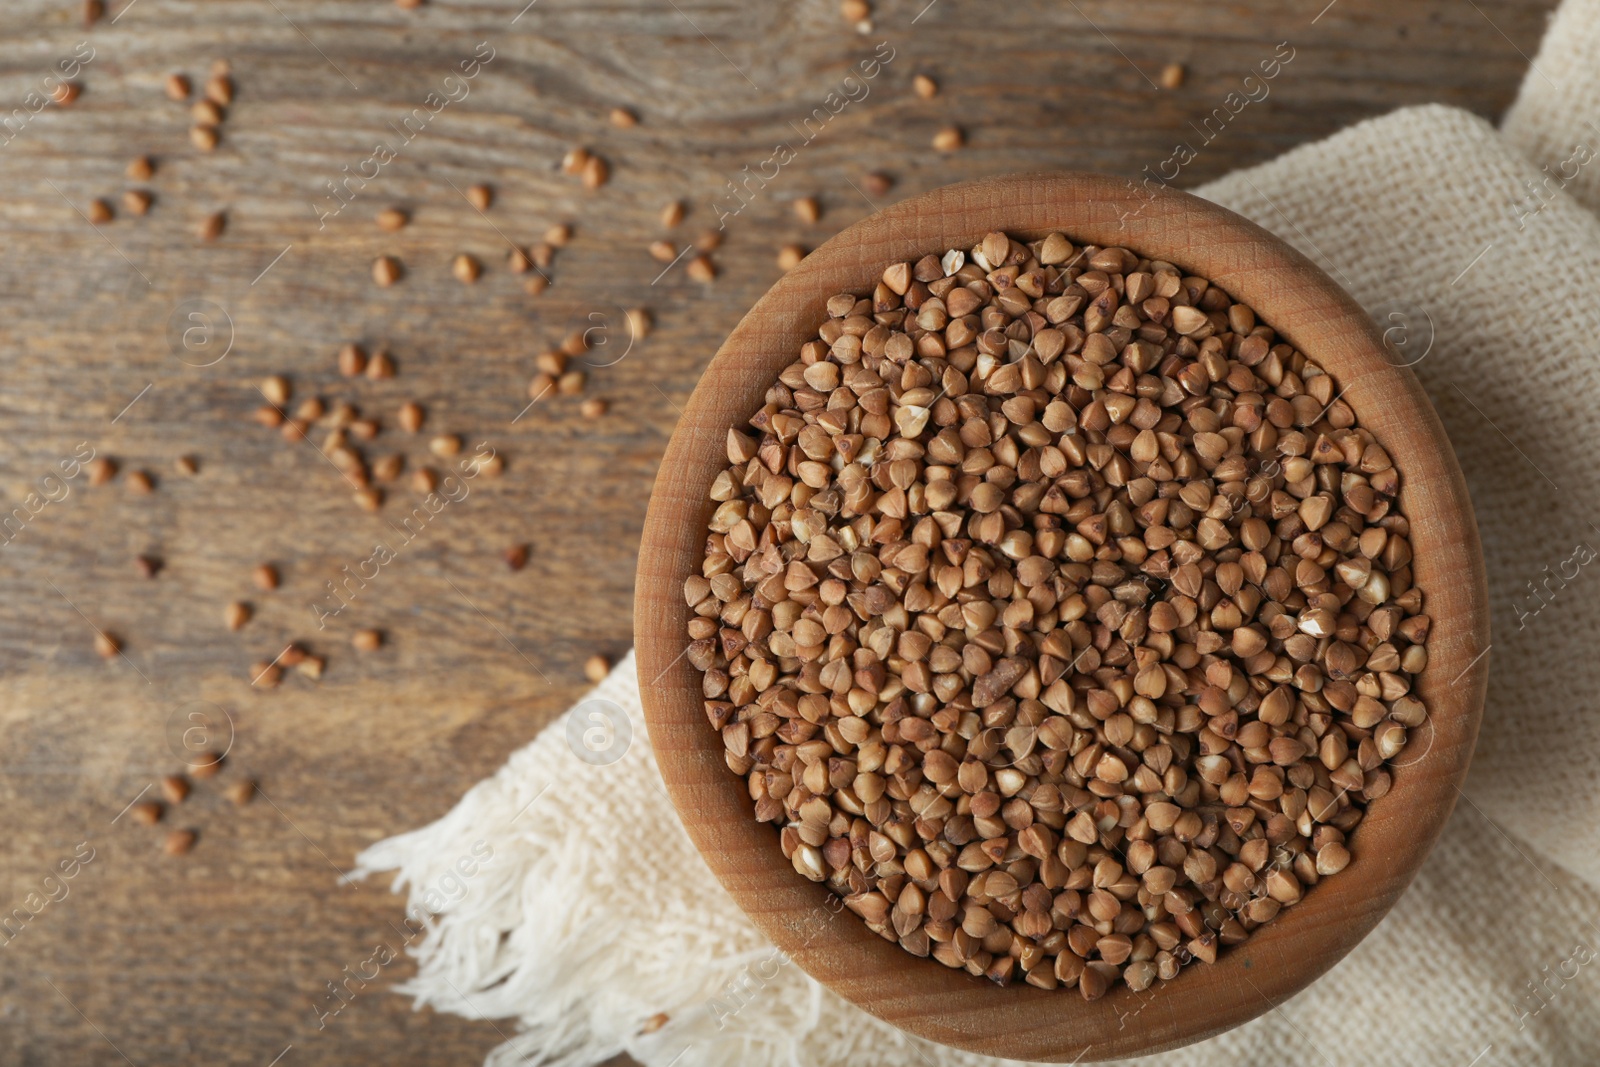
pixel 597 927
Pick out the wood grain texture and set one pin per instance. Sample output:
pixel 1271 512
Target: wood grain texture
pixel 216 958
pixel 1288 292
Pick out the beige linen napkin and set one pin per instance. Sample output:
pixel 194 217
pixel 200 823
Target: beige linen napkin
pixel 595 924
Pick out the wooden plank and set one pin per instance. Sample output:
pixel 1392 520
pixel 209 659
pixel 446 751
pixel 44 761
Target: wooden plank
pixel 217 956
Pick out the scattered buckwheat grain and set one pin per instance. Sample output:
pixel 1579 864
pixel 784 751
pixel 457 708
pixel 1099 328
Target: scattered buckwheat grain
pixel 388 468
pixel 640 322
pixel 352 359
pixel 101 470
pixel 219 87
pixel 386 270
pixel 701 269
pixel 466 269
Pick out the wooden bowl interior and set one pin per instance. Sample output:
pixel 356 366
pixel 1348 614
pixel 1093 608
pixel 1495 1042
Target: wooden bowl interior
pixel 803 918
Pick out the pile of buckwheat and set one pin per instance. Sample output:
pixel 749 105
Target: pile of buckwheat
pixel 1058 614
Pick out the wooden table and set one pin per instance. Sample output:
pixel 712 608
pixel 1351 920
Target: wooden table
pixel 220 956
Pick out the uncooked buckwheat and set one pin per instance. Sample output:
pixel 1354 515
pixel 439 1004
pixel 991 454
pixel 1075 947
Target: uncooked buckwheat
pixel 1058 613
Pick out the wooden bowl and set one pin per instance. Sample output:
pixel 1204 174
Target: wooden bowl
pixel 1284 956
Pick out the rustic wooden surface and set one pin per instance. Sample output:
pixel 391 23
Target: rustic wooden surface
pixel 223 955
pixel 1284 956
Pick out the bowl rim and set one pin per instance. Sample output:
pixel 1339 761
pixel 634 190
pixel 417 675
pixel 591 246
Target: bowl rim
pixel 1319 318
